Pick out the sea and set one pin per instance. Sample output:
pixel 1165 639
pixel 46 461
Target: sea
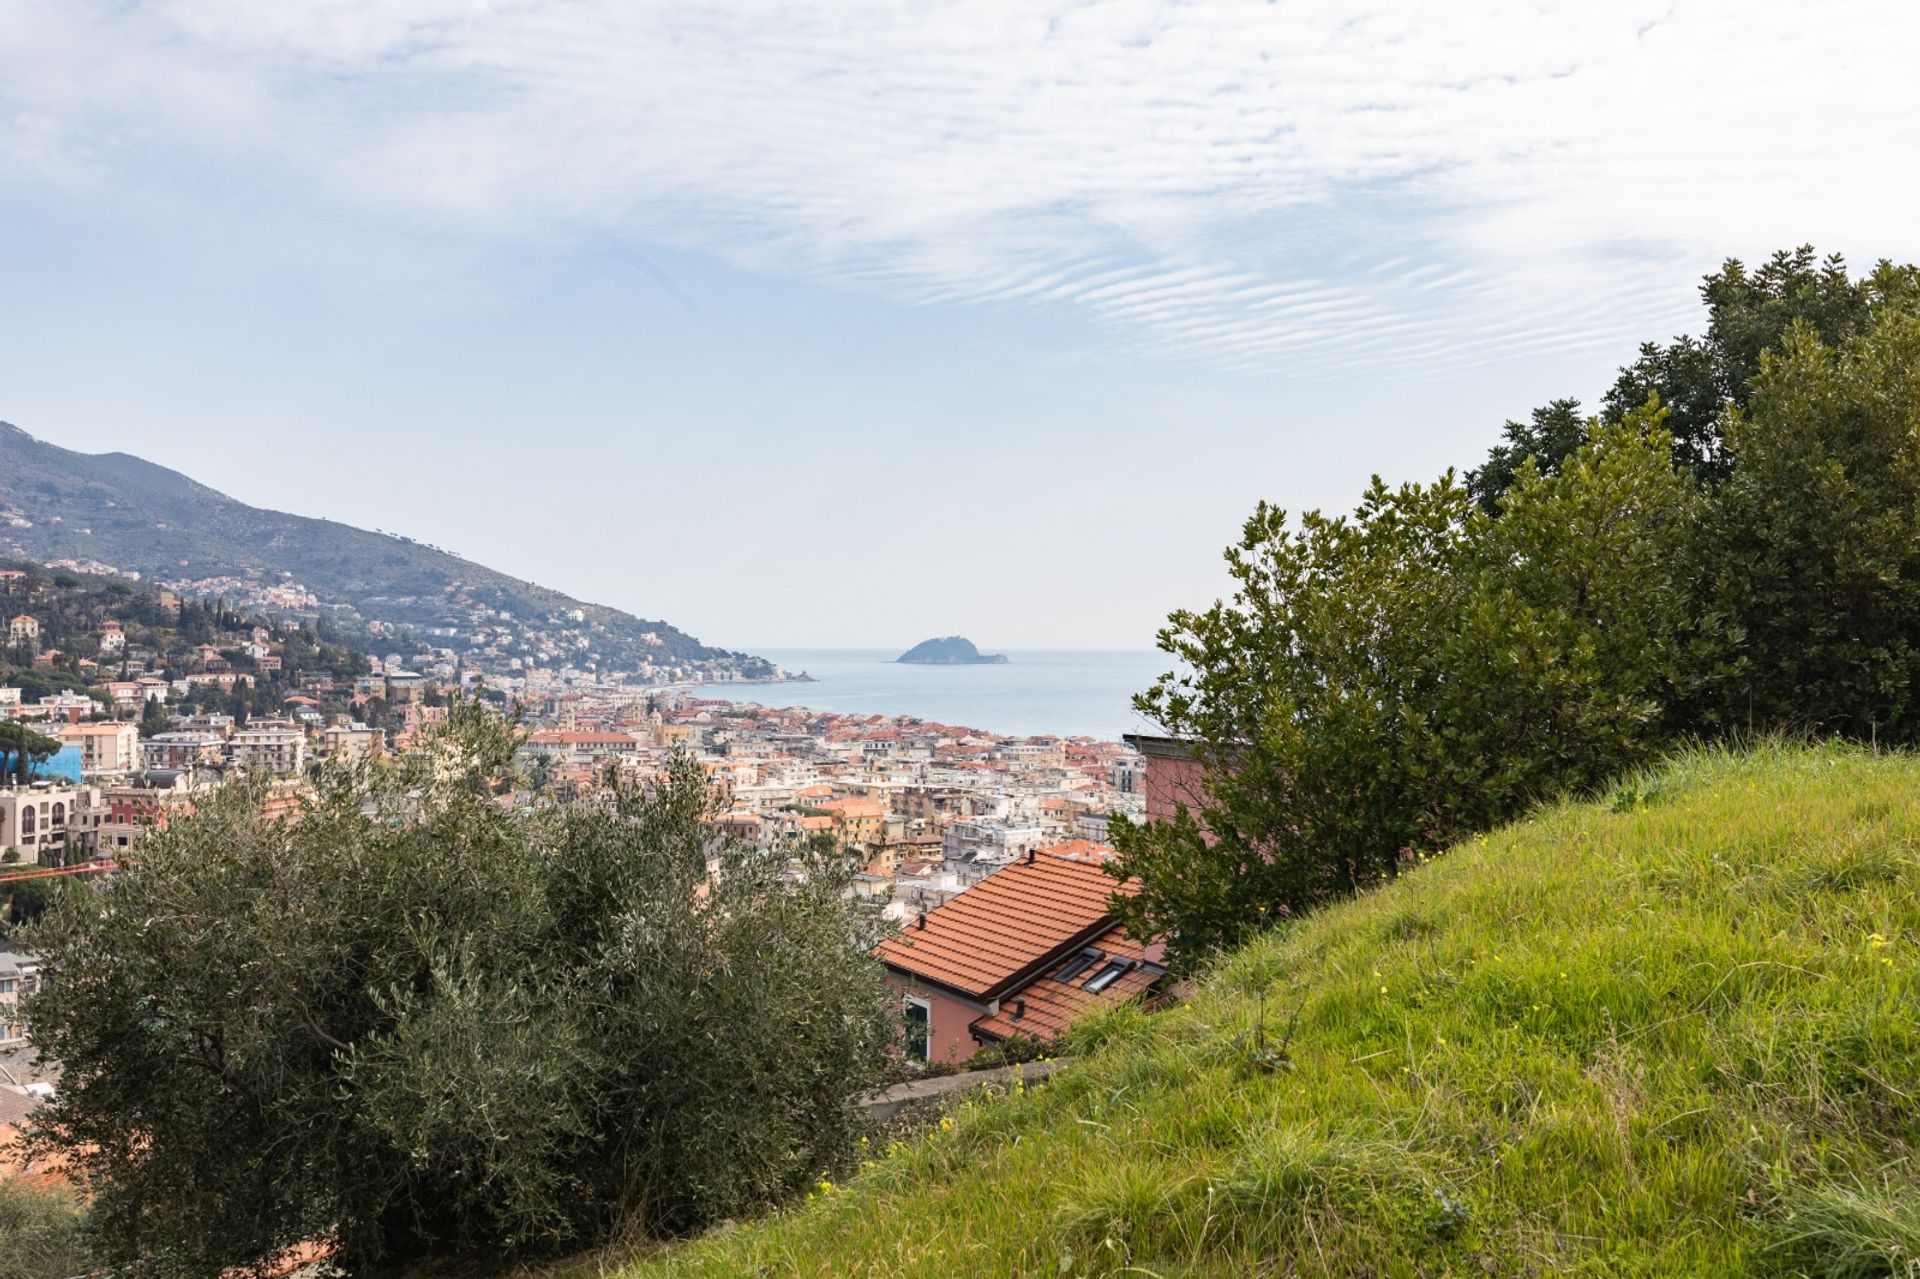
pixel 1069 692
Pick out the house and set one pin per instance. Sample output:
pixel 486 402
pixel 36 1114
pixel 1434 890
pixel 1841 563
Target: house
pixel 148 801
pixel 860 823
pixel 112 638
pixel 583 745
pixel 405 686
pixel 71 707
pixel 23 630
pixel 1022 953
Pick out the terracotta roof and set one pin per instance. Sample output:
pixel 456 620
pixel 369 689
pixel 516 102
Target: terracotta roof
pixel 1047 1007
pixel 1084 850
pixel 984 939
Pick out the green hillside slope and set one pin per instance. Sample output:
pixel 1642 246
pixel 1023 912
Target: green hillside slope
pixel 1669 1034
pixel 123 510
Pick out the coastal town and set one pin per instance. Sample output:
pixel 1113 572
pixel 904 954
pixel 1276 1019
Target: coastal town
pixel 136 726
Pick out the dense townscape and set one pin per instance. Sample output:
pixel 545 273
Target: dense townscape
pixel 142 701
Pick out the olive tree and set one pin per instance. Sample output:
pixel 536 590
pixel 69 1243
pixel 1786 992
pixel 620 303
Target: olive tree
pixel 412 1020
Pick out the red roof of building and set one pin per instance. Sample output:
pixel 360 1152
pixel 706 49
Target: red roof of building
pixel 985 939
pixel 1084 850
pixel 1044 1009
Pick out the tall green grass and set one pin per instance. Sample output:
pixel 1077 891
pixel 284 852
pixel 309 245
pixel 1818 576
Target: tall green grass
pixel 40 1233
pixel 1670 1033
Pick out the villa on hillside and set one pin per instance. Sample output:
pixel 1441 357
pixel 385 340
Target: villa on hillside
pixel 1023 953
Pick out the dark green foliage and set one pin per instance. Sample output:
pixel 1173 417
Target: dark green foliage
pixel 1697 379
pixel 1548 438
pixel 1812 546
pixel 414 1020
pixel 1381 684
pixel 27 901
pixel 153 717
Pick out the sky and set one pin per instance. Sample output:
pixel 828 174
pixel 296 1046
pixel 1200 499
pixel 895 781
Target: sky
pixel 851 323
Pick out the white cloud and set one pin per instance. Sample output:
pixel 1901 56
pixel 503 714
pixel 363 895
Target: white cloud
pixel 1262 185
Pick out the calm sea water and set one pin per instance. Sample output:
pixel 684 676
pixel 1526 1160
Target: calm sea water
pixel 1070 692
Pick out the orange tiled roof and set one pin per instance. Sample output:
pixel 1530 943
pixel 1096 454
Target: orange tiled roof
pixel 982 940
pixel 1047 1007
pixel 1084 850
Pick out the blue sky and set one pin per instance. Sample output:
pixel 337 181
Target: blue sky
pixel 849 324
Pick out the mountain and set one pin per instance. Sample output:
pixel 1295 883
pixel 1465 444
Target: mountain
pixel 114 510
pixel 952 650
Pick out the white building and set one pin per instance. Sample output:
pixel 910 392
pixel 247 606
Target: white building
pixel 280 750
pixel 104 748
pixel 48 825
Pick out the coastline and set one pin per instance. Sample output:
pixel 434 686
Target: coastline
pixel 1037 692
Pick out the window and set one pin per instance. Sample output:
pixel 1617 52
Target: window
pixel 1077 965
pixel 917 1015
pixel 28 821
pixel 7 985
pixel 1107 976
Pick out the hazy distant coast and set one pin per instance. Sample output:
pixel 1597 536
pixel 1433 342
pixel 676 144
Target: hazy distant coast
pixel 1071 692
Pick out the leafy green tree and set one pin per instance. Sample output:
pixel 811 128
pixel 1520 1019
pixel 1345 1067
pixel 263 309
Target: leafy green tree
pixel 153 717
pixel 1812 546
pixel 1698 379
pixel 1549 437
pixel 1381 684
pixel 27 901
pixel 1748 311
pixel 21 748
pixel 416 1022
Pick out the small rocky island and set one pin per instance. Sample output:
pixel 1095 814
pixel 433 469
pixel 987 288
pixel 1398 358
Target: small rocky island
pixel 953 650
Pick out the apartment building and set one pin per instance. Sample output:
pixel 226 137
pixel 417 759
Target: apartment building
pixel 267 747
pixel 182 750
pixel 352 741
pixel 49 825
pixel 104 748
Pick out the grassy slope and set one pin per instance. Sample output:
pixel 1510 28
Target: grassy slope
pixel 1670 1034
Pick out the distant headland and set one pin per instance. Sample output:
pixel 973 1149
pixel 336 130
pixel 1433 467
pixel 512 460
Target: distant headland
pixel 954 650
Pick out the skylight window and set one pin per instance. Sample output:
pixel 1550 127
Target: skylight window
pixel 1077 965
pixel 1107 976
